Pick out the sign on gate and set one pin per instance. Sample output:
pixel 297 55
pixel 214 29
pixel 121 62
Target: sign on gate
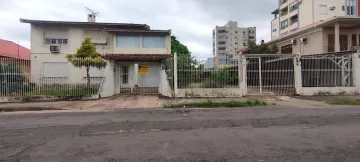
pixel 143 69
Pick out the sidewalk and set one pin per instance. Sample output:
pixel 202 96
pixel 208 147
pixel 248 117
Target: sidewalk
pixel 153 101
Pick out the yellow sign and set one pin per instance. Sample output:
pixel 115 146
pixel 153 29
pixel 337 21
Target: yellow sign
pixel 143 69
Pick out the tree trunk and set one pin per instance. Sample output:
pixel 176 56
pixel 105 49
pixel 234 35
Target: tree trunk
pixel 88 76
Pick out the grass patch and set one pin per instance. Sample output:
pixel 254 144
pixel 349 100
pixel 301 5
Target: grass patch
pixel 344 102
pixel 64 92
pixel 211 104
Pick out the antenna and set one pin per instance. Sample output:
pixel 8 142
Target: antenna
pixel 92 12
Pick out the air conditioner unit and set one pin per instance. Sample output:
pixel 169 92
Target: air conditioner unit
pixel 332 8
pixel 54 49
pixel 293 42
pixel 303 40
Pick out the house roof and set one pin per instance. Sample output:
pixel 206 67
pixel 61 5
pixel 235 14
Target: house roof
pixel 322 23
pixel 275 11
pixel 144 26
pixel 14 50
pixel 137 57
pixel 140 31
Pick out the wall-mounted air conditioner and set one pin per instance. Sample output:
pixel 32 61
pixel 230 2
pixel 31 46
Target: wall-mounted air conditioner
pixel 332 8
pixel 54 49
pixel 303 40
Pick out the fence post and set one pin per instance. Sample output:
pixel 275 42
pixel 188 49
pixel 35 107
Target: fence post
pixel 356 71
pixel 175 76
pixel 297 74
pixel 242 74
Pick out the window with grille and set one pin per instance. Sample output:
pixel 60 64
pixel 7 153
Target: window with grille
pixel 56 36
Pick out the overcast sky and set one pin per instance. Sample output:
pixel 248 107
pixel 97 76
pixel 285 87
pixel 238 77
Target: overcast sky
pixel 191 21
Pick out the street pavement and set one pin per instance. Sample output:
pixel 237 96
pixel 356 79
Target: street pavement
pixel 258 134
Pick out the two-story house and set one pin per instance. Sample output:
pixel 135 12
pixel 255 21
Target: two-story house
pixel 133 51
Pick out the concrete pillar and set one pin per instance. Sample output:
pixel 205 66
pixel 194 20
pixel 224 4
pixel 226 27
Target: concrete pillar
pixel 136 74
pixel 107 88
pixel 242 74
pixel 356 71
pixel 297 74
pixel 337 37
pixel 175 76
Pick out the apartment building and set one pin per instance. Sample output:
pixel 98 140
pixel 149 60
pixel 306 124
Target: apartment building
pixel 315 26
pixel 230 38
pixel 294 14
pixel 134 53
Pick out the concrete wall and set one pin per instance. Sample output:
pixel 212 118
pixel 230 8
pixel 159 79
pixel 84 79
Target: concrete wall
pixel 108 86
pixel 165 88
pixel 314 45
pixel 209 92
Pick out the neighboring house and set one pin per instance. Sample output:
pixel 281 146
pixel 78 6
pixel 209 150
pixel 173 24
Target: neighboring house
pixel 316 26
pixel 133 51
pixel 11 52
pixel 295 14
pixel 230 38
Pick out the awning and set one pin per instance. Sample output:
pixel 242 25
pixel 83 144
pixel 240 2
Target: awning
pixel 137 57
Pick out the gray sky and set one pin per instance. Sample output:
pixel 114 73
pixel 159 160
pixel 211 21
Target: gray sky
pixel 191 21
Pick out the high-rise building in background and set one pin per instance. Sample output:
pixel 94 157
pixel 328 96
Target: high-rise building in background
pixel 230 38
pixel 294 14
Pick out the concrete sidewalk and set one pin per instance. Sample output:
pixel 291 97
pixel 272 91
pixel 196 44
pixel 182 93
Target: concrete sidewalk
pixel 150 101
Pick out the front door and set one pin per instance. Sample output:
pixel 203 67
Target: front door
pixel 124 76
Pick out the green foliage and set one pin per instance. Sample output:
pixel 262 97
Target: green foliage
pixel 211 104
pixel 220 78
pixel 12 79
pixel 178 47
pixel 86 56
pixel 186 63
pixel 261 48
pixel 344 102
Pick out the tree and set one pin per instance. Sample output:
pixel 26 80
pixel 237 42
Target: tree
pixel 185 62
pixel 261 48
pixel 86 56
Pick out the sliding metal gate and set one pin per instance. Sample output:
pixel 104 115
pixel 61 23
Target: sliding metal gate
pixel 270 74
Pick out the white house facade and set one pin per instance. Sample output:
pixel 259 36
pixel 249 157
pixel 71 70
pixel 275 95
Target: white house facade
pixel 134 53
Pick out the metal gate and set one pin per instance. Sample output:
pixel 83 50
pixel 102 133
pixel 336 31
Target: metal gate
pixel 270 74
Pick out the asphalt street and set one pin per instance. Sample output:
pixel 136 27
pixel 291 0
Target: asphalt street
pixel 208 135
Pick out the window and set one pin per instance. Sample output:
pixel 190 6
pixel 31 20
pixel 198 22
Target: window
pixel 353 39
pixel 251 31
pixel 222 42
pixel 294 6
pixel 251 37
pixel 235 32
pixel 222 31
pixel 55 36
pixel 323 9
pixel 284 24
pixel 128 41
pixel 55 69
pixel 286 49
pixel 350 10
pixel 153 41
pixel 274 30
pixel 98 37
pixel 221 48
pixel 283 1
